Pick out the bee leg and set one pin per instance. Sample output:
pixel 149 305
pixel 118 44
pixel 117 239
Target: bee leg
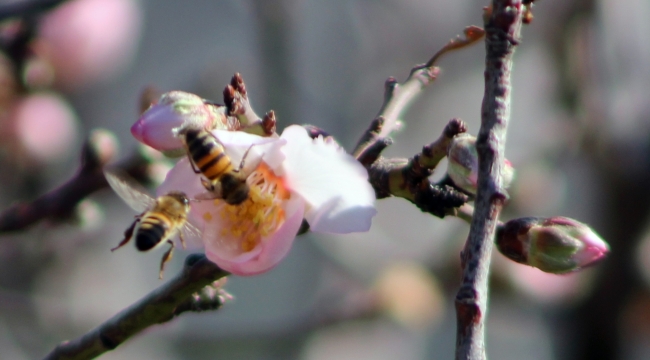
pixel 243 158
pixel 183 244
pixel 196 171
pixel 207 185
pixel 165 259
pixel 128 234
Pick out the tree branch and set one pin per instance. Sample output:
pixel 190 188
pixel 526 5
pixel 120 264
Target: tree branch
pixel 409 178
pixel 502 25
pixel 191 290
pixel 27 8
pixel 60 203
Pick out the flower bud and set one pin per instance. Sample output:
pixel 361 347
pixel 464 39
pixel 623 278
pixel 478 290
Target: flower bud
pixel 554 245
pixel 463 164
pixel 176 108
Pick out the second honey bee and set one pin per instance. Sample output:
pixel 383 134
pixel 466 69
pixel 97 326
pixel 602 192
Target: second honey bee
pixel 208 158
pixel 160 219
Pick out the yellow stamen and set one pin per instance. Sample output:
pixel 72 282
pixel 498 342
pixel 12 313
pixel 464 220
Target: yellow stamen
pixel 207 217
pixel 259 215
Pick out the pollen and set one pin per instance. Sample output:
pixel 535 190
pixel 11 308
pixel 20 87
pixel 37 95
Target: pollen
pixel 261 214
pixel 207 216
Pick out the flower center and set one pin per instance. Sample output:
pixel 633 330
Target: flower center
pixel 259 215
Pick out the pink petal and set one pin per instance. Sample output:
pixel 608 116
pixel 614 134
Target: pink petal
pixel 154 128
pixel 269 252
pixel 595 249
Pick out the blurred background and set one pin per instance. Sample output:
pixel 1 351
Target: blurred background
pixel 579 139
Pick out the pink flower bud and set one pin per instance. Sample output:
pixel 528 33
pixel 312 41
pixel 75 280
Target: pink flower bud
pixel 176 108
pixel 555 245
pixel 463 164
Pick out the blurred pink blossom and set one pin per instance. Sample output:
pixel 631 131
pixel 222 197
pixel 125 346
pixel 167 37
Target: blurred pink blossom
pixel 89 40
pixel 548 288
pixel 295 177
pixel 45 125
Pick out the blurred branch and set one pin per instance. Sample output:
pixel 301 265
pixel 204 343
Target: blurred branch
pixel 27 8
pixel 99 149
pixel 186 292
pixel 502 24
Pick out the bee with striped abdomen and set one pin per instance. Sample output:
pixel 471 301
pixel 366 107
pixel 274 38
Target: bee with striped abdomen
pixel 160 219
pixel 208 158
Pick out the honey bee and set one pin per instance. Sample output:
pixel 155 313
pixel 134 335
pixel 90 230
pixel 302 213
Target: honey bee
pixel 208 158
pixel 160 219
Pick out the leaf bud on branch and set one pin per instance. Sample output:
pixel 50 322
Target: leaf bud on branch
pixel 555 245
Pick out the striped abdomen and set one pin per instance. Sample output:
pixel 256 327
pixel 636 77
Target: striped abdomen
pixel 154 229
pixel 207 154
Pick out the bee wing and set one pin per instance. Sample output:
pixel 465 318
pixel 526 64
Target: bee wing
pixel 192 236
pixel 129 190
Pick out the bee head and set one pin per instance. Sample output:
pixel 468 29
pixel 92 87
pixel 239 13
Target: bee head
pixel 234 189
pixel 180 196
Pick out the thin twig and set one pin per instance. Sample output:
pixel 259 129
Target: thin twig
pixel 159 306
pixel 398 97
pixel 503 24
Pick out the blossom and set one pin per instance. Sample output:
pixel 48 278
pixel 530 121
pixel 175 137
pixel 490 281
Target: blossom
pixel 89 40
pixel 556 245
pixel 46 126
pixel 293 177
pixel 174 109
pixel 463 164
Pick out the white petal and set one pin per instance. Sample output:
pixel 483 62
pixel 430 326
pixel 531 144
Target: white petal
pixel 237 143
pixel 333 184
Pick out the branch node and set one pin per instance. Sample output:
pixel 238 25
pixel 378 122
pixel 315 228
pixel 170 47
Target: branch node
pixel 269 123
pixel 368 140
pixel 372 152
pixel 237 83
pixel 454 127
pixel 467 309
pixel 390 86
